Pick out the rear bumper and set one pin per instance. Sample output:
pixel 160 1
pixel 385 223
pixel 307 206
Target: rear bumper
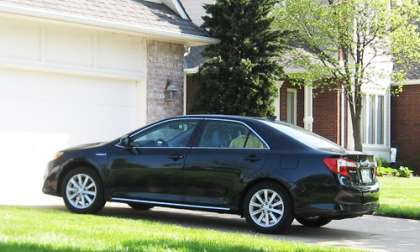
pixel 345 203
pixel 339 210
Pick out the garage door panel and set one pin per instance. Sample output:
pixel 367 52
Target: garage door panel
pixel 42 113
pixel 55 88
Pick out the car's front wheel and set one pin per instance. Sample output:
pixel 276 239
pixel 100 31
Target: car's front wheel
pixel 268 208
pixel 82 191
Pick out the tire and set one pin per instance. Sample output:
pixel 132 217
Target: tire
pixel 313 222
pixel 140 207
pixel 280 207
pixel 93 190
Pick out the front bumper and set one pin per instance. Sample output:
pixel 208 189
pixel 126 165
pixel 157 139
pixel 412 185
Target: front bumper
pixel 51 179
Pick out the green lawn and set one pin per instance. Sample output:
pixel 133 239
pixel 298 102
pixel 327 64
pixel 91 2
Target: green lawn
pixel 25 229
pixel 400 197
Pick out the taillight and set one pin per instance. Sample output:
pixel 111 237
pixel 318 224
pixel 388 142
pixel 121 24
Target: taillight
pixel 340 166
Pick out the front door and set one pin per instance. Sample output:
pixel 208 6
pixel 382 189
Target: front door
pixel 224 154
pixel 152 168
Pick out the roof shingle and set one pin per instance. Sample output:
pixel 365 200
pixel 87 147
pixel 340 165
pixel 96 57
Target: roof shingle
pixel 129 12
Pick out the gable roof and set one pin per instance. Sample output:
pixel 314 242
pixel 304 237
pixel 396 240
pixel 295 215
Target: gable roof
pixel 131 15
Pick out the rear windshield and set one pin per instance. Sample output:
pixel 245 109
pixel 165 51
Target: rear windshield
pixel 305 137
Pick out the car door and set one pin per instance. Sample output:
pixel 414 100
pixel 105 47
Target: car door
pixel 152 167
pixel 223 155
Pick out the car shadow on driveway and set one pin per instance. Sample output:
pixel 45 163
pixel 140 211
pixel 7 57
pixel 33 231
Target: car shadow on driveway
pixel 221 222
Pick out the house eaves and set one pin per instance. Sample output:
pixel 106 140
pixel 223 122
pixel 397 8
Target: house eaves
pixel 151 19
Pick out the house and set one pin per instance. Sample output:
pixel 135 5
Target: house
pixel 388 121
pixel 79 71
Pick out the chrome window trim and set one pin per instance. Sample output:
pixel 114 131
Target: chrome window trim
pixel 266 145
pixel 163 203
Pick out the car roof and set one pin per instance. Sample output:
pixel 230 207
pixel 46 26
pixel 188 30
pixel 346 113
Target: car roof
pixel 226 117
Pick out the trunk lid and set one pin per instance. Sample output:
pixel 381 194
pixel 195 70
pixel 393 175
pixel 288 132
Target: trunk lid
pixel 364 175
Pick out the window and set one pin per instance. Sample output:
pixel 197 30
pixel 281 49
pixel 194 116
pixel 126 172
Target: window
pixel 292 106
pixel 169 134
pixel 305 137
pixel 373 119
pixel 229 135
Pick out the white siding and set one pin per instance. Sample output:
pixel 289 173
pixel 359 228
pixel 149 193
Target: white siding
pixel 30 43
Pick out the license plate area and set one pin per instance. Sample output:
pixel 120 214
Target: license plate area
pixel 366 176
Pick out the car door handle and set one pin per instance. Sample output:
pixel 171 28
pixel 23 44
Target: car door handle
pixel 176 157
pixel 252 158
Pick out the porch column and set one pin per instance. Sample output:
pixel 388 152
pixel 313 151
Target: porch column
pixel 277 100
pixel 308 118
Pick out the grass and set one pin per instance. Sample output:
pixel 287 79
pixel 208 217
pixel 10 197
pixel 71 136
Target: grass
pixel 35 230
pixel 400 197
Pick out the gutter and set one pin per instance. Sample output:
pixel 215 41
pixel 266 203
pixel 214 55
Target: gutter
pixel 193 40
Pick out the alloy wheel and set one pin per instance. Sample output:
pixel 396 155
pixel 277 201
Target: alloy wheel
pixel 266 208
pixel 81 191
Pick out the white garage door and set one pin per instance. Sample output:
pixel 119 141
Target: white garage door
pixel 41 113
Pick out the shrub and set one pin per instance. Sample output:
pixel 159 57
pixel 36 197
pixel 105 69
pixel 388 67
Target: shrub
pixel 382 162
pixel 386 171
pixel 405 172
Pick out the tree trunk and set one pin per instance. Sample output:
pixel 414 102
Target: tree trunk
pixel 357 132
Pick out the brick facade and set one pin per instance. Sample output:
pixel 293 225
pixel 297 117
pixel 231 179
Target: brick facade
pixel 405 126
pixel 165 62
pixel 326 113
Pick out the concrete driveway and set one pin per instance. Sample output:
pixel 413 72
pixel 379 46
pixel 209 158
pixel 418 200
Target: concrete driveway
pixel 371 233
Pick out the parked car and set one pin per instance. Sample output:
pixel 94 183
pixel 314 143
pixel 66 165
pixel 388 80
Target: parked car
pixel 268 172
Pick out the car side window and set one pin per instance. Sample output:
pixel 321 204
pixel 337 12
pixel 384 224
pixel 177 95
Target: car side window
pixel 254 142
pixel 169 134
pixel 229 135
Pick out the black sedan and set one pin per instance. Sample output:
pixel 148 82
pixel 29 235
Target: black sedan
pixel 265 171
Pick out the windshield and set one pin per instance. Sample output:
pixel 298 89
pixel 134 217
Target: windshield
pixel 305 137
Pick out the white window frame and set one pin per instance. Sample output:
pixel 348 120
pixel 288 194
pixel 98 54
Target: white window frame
pixel 294 92
pixel 367 120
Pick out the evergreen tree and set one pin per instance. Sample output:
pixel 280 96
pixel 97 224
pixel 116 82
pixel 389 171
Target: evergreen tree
pixel 241 72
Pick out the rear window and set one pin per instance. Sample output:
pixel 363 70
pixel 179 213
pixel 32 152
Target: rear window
pixel 305 137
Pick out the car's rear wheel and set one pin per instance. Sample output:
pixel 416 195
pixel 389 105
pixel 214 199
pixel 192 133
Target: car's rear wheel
pixel 315 221
pixel 82 191
pixel 140 207
pixel 268 208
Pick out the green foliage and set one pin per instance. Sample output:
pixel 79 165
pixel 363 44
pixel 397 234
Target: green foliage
pixel 402 171
pixel 240 74
pixel 343 40
pixel 405 172
pixel 382 162
pixel 386 171
pixel 122 230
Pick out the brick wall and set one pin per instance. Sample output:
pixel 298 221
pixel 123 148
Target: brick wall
pixel 405 126
pixel 165 61
pixel 326 112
